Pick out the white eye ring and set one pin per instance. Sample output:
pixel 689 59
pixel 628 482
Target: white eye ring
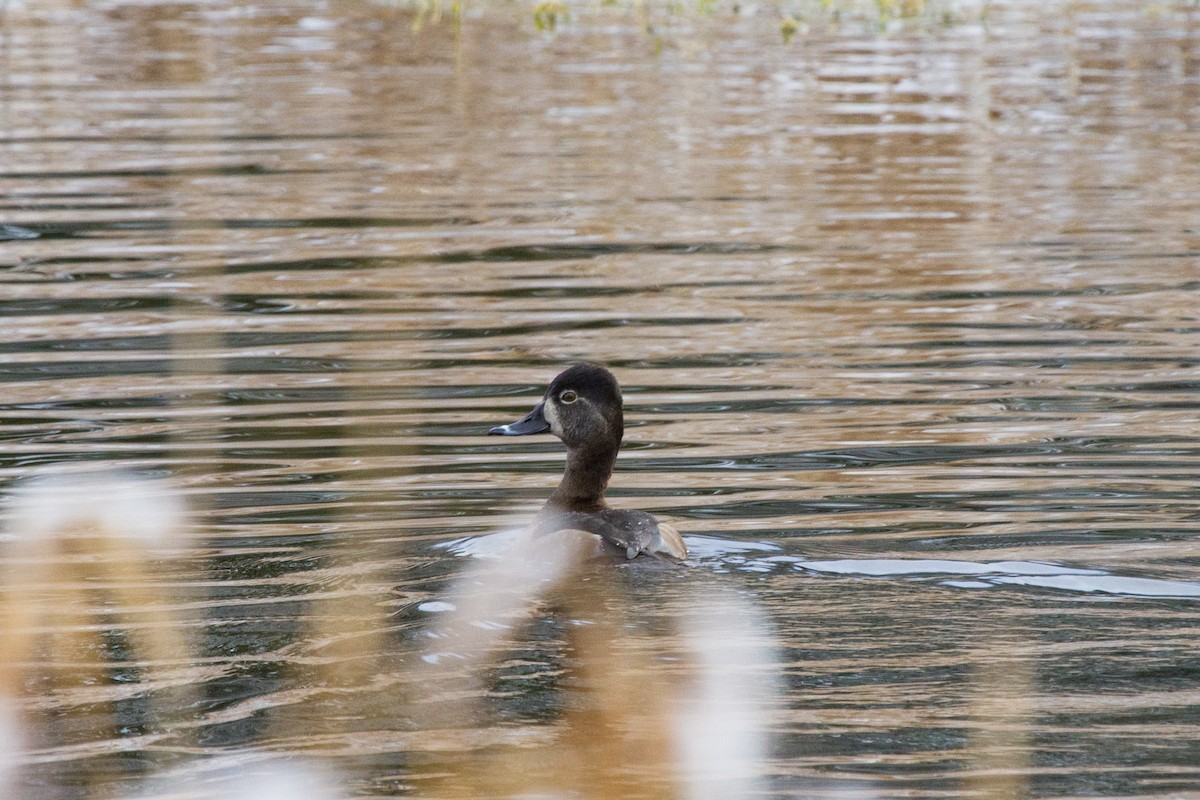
pixel 568 397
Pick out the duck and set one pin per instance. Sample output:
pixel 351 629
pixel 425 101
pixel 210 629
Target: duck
pixel 583 408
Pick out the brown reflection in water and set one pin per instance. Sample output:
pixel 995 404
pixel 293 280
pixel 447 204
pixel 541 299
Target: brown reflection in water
pixel 88 616
pixel 680 714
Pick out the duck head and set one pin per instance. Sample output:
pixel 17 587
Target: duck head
pixel 582 407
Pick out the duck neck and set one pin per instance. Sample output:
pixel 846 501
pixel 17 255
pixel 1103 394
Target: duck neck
pixel 586 476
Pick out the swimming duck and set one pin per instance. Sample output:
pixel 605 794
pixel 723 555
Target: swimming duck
pixel 583 408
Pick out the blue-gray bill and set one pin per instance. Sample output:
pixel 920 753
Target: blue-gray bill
pixel 533 422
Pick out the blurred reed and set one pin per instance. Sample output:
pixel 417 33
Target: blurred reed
pixel 85 594
pixel 89 563
pixel 1001 710
pixel 645 716
pixel 12 742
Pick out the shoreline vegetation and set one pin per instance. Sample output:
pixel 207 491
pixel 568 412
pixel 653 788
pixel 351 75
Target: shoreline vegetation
pixel 790 18
pixel 670 21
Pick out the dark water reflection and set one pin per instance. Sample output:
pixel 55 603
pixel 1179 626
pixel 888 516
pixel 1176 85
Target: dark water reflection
pixel 889 310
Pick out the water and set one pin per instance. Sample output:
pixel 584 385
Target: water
pixel 906 324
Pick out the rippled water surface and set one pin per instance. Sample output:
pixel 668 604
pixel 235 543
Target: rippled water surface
pixel 907 323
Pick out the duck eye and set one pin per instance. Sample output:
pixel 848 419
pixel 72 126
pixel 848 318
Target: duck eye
pixel 568 397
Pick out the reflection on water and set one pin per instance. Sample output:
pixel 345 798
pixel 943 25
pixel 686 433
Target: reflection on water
pixel 247 779
pixel 906 322
pixel 723 555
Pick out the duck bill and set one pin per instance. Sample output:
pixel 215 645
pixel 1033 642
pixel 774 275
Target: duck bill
pixel 533 422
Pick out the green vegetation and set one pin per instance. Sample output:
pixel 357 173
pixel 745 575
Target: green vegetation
pixel 547 14
pixel 790 17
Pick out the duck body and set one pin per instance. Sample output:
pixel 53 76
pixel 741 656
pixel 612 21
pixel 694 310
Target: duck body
pixel 622 533
pixel 583 408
